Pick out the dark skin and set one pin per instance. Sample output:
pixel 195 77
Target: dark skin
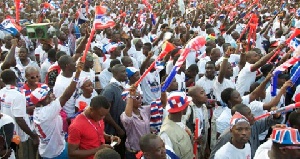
pixel 95 115
pixel 10 59
pixel 240 134
pixel 32 78
pixel 210 70
pixel 119 75
pixel 22 124
pixel 4 151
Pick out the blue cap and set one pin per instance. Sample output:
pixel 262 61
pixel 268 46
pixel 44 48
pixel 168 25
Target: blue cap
pixel 131 71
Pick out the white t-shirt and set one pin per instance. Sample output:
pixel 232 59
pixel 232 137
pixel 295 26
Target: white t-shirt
pixel 44 69
pixel 228 151
pixel 22 68
pixel 87 101
pixel 13 103
pixel 41 53
pixel 64 48
pixel 106 63
pixel 269 97
pixel 245 79
pixel 132 52
pixel 48 125
pixel 201 64
pixel 180 79
pixel 6 119
pixel 169 66
pixel 151 87
pixel 59 88
pixel 206 84
pixel 218 87
pixel 105 77
pixel 223 120
pixel 263 149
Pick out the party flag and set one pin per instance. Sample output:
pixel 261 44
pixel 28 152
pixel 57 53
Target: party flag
pixel 101 20
pixel 10 26
pixel 81 14
pixel 167 47
pixel 194 44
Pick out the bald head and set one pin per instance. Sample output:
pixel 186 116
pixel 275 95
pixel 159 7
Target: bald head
pixel 250 54
pixel 30 70
pixel 194 90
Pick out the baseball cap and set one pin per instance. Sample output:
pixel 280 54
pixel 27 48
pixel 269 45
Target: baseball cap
pixel 131 71
pixel 177 102
pixel 39 94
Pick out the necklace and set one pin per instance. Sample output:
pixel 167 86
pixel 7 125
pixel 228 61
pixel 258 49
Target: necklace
pixel 96 129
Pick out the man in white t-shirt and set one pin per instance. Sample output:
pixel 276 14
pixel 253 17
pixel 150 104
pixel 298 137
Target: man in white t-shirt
pixel 67 65
pixel 106 75
pixel 223 80
pixel 13 103
pixel 238 147
pixel 47 119
pixel 151 83
pixel 248 74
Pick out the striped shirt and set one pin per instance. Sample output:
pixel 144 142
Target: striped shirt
pixel 156 116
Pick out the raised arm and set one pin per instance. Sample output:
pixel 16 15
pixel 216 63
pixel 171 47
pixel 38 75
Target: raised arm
pixel 72 87
pixel 276 99
pixel 264 59
pixel 224 64
pixel 10 59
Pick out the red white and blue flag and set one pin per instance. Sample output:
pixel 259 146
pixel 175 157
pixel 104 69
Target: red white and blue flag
pixel 102 21
pixel 10 26
pixel 194 44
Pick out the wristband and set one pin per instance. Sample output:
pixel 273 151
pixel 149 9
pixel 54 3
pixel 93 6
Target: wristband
pixel 75 79
pixel 225 58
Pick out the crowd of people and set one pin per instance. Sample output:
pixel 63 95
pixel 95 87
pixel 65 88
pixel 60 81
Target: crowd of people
pixel 101 95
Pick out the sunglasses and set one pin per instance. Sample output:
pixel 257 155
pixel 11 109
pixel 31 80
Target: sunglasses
pixel 34 77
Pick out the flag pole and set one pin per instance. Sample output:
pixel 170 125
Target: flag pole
pixel 88 44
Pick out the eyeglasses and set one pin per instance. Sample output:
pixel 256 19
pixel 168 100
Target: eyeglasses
pixel 34 77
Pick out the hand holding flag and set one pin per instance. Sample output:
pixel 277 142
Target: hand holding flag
pixel 280 110
pixel 166 50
